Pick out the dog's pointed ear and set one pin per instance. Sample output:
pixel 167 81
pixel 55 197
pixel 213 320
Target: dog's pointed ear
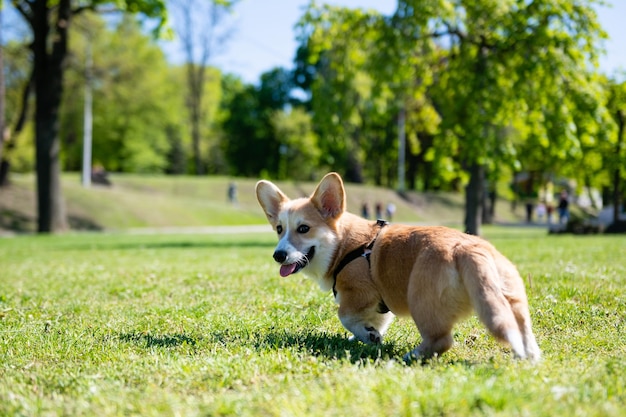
pixel 270 198
pixel 330 197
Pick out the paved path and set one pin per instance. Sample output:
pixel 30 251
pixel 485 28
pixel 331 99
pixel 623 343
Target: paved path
pixel 202 230
pixel 254 228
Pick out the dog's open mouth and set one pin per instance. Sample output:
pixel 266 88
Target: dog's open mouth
pixel 288 269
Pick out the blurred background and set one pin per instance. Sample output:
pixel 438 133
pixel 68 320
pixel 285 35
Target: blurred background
pixel 165 113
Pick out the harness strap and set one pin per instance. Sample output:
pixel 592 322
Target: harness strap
pixel 357 253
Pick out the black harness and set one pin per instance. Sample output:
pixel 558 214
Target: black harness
pixel 362 251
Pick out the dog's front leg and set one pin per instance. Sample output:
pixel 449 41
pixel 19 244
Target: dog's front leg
pixel 368 326
pixel 360 308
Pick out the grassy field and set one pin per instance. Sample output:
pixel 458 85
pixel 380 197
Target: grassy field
pixel 115 324
pixel 144 201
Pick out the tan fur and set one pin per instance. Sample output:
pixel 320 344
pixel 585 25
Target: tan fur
pixel 436 275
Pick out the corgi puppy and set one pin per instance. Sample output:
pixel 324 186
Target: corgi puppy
pixel 376 270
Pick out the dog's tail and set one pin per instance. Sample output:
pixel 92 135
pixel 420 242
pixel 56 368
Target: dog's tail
pixel 497 294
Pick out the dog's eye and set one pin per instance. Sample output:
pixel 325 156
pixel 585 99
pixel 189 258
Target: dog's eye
pixel 303 228
pixel 279 229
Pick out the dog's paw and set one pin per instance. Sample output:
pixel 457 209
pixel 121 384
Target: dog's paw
pixel 409 358
pixel 373 335
pixel 414 356
pixel 370 336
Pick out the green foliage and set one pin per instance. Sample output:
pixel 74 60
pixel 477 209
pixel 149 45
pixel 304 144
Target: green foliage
pixel 616 105
pixel 133 97
pixel 245 145
pixel 139 112
pixel 203 325
pixel 349 109
pixel 18 147
pixel 156 10
pixel 254 134
pixel 487 86
pixel 299 150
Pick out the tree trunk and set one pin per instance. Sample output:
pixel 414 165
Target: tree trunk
pixel 474 198
pixel 195 85
pixel 48 68
pixel 2 94
pixel 194 40
pixel 354 169
pixel 489 206
pixel 621 118
pixel 411 171
pixel 50 209
pixel 195 134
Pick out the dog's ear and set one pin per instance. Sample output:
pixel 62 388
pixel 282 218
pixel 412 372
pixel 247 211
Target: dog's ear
pixel 270 198
pixel 330 197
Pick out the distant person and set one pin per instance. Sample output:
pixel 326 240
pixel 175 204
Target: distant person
pixel 379 211
pixel 563 207
pixel 100 176
pixel 365 211
pixel 541 211
pixel 550 212
pixel 391 209
pixel 529 211
pixel 232 193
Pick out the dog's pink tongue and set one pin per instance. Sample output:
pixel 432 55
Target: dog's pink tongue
pixel 286 270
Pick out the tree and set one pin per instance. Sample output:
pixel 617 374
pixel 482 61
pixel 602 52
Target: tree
pixel 246 145
pixel 617 108
pixel 361 74
pixel 332 61
pixel 299 151
pixel 18 144
pixel 138 106
pixel 251 144
pixel 499 57
pixel 198 28
pixel 49 23
pixel 2 91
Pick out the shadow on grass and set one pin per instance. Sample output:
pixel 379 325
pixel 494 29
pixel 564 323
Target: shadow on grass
pixel 83 224
pixel 161 341
pixel 325 345
pixel 21 223
pixel 333 347
pixel 16 221
pixel 338 347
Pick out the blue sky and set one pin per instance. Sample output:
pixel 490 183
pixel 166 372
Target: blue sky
pixel 264 38
pixel 263 35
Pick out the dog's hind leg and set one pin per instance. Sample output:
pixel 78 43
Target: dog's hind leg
pixel 431 345
pixel 437 300
pixel 435 326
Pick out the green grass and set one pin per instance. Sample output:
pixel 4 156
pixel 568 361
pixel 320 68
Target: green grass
pixel 144 201
pixel 114 324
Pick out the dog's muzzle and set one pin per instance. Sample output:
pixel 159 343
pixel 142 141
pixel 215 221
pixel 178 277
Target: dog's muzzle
pixel 287 269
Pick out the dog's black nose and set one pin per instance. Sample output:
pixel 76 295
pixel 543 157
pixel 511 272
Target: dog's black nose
pixel 280 256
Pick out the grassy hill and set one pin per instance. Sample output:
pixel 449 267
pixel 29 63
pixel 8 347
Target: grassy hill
pixel 139 201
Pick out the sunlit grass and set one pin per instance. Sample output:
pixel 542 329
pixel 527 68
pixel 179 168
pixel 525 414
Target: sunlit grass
pixel 204 325
pixel 158 201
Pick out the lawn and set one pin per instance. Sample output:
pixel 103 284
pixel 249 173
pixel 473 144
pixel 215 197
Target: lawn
pixel 115 324
pixel 157 201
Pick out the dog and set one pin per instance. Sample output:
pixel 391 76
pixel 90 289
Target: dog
pixel 377 270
